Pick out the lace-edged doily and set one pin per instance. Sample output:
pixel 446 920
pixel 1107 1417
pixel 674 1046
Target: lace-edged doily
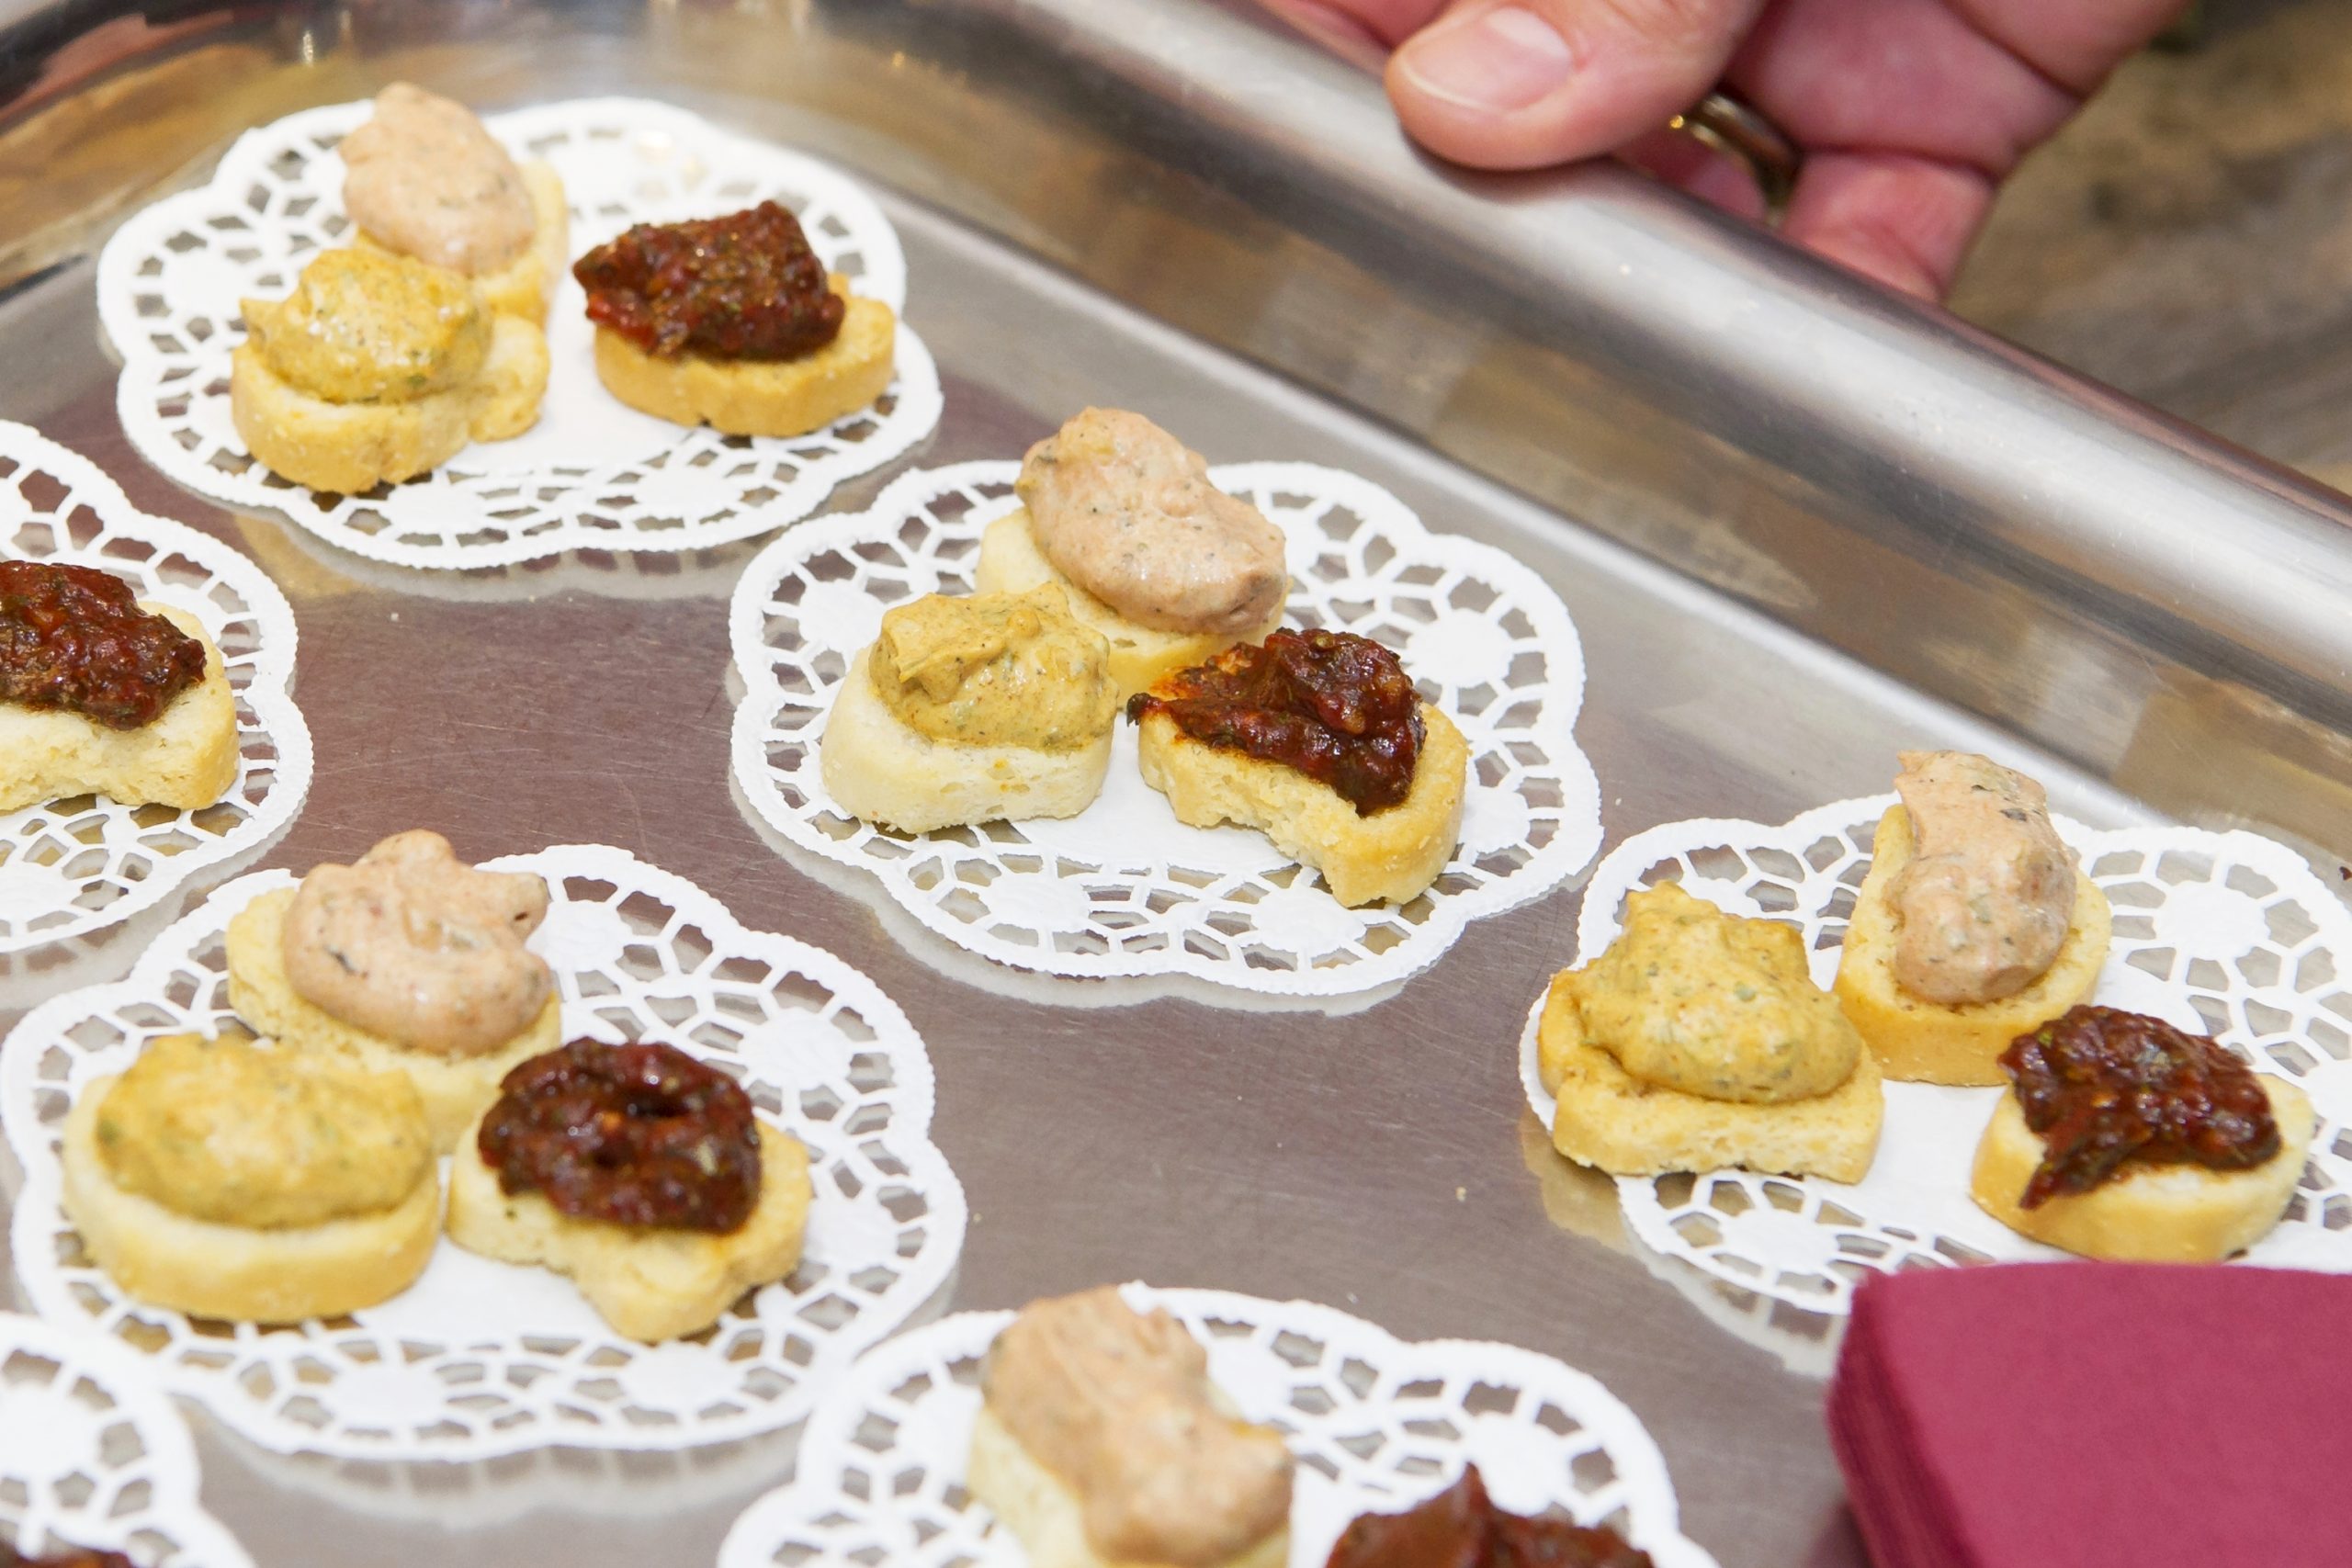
pixel 2222 933
pixel 93 1455
pixel 1124 889
pixel 592 474
pixel 480 1358
pixel 70 867
pixel 1376 1423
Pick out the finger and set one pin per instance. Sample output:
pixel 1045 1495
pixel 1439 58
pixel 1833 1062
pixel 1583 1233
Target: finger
pixel 1522 83
pixel 1904 221
pixel 1384 22
pixel 1713 177
pixel 1898 75
pixel 2075 46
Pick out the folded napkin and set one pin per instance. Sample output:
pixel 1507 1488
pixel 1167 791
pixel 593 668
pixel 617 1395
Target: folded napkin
pixel 2099 1416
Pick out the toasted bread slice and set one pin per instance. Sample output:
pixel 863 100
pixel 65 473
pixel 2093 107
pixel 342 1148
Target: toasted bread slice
pixel 1923 1041
pixel 349 447
pixel 650 1284
pixel 246 1275
pixel 456 1089
pixel 756 396
pixel 2151 1213
pixel 186 758
pixel 1609 1119
pixel 879 769
pixel 1010 561
pixel 1393 854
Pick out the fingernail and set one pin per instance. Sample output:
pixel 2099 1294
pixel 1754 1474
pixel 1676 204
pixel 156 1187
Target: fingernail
pixel 1499 61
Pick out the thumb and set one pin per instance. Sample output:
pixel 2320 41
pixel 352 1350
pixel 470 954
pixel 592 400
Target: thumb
pixel 1522 83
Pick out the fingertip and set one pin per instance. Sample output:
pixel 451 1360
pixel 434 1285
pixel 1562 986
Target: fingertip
pixel 1905 221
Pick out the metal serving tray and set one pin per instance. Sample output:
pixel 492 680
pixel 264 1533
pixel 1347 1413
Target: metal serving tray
pixel 1798 523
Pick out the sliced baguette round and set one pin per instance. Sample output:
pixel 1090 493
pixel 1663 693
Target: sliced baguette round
pixel 879 769
pixel 650 1284
pixel 1011 561
pixel 752 396
pixel 186 758
pixel 1918 1040
pixel 213 1270
pixel 1393 854
pixel 350 447
pixel 526 285
pixel 1044 1514
pixel 1614 1122
pixel 2151 1213
pixel 456 1089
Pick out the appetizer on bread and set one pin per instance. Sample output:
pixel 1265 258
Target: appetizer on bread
pixel 1697 1042
pixel 1974 925
pixel 424 178
pixel 999 705
pixel 641 1173
pixel 377 368
pixel 229 1179
pixel 409 961
pixel 1463 1527
pixel 1124 519
pixel 1318 739
pixel 104 694
pixel 2121 1137
pixel 733 323
pixel 1101 1443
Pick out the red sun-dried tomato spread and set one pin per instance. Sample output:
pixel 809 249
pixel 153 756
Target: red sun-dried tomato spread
pixel 1335 706
pixel 1460 1527
pixel 742 287
pixel 2103 1087
pixel 74 639
pixel 641 1135
pixel 69 1557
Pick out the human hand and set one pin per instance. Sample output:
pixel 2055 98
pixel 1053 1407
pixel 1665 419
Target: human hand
pixel 1910 112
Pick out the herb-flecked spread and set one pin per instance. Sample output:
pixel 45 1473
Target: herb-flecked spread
pixel 74 639
pixel 1460 1527
pixel 2103 1087
pixel 742 287
pixel 1333 706
pixel 68 1557
pixel 640 1135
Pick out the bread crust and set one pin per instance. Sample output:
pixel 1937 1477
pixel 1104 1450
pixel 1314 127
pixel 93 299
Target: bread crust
pixel 1011 561
pixel 526 285
pixel 2151 1213
pixel 1394 855
pixel 1918 1040
pixel 347 448
pixel 211 1270
pixel 456 1089
pixel 1609 1119
pixel 651 1285
pixel 1045 1515
pixel 880 770
pixel 748 397
pixel 186 758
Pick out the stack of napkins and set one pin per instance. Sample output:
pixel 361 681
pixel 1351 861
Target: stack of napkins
pixel 2099 1416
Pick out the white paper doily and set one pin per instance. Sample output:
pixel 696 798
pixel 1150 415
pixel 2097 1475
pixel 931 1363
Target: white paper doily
pixel 1376 1424
pixel 593 474
pixel 93 1455
pixel 69 868
pixel 1125 889
pixel 481 1357
pixel 2227 934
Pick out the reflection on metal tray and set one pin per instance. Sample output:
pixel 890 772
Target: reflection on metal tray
pixel 1797 523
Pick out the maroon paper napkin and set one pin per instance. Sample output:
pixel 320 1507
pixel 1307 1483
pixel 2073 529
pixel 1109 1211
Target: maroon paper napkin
pixel 2099 1416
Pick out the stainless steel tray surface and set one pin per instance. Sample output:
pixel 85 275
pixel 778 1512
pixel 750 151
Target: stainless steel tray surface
pixel 1122 202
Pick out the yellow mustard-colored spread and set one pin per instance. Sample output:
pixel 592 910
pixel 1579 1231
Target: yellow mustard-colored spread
pixel 241 1134
pixel 996 669
pixel 370 327
pixel 1688 997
